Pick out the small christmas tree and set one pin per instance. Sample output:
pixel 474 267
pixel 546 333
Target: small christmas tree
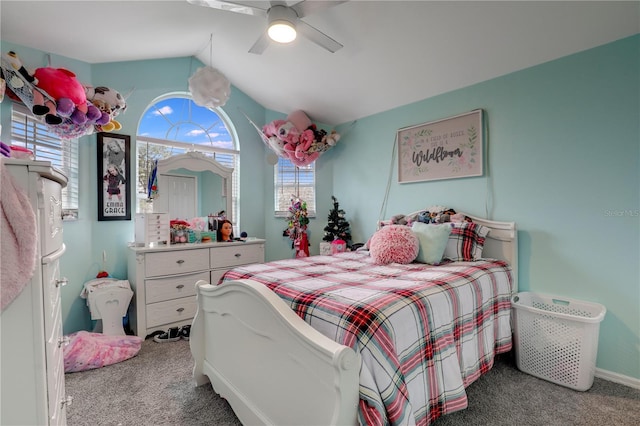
pixel 338 227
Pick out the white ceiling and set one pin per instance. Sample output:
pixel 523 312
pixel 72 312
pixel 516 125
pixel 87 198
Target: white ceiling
pixel 395 52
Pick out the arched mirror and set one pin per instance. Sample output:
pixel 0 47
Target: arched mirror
pixel 192 185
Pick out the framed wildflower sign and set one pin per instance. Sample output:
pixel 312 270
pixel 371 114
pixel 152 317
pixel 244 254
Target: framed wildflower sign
pixel 443 149
pixel 114 177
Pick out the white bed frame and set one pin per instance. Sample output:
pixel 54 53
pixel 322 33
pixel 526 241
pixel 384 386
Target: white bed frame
pixel 274 368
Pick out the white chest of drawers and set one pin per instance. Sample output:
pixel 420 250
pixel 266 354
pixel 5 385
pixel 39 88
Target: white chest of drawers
pixel 163 279
pixel 151 228
pixel 32 358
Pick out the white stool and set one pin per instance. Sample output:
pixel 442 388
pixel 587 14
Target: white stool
pixel 108 300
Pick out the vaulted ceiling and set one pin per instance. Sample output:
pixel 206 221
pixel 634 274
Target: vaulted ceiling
pixel 395 52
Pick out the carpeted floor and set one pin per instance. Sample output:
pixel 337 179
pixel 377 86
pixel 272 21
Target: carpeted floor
pixel 156 388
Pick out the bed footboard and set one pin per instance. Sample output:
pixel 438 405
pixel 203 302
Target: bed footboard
pixel 270 365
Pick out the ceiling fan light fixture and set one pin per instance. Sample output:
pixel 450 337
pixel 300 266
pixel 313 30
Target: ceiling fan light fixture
pixel 282 31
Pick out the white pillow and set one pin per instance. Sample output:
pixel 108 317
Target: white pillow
pixel 433 240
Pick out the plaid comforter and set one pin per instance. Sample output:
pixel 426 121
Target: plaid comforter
pixel 424 333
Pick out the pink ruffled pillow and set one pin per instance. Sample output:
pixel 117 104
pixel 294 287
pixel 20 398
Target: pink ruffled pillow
pixel 394 244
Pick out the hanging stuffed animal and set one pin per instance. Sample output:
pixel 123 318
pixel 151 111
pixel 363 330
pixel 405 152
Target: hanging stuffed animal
pixel 41 105
pixel 110 102
pixel 297 138
pixel 63 86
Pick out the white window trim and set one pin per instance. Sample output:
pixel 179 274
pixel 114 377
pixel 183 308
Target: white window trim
pixel 205 149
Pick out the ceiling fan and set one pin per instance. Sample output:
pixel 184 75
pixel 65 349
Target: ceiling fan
pixel 283 21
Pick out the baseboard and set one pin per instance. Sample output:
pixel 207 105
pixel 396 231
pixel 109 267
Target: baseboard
pixel 632 382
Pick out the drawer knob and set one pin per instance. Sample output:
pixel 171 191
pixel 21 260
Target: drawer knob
pixel 62 282
pixel 179 309
pixel 66 401
pixel 180 262
pixel 180 286
pixel 238 254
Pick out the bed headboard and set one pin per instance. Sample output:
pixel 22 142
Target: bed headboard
pixel 501 242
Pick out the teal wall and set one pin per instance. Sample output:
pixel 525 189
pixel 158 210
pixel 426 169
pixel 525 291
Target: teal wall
pixel 563 161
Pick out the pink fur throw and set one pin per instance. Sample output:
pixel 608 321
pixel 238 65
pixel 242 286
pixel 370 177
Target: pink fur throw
pixel 19 238
pixel 394 244
pixel 87 351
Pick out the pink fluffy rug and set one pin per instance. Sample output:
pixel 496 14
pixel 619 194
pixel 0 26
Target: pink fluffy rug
pixel 87 351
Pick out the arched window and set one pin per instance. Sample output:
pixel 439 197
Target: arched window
pixel 174 124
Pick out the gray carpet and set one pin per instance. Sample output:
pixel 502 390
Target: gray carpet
pixel 156 388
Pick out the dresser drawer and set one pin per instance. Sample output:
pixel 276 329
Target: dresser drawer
pixel 238 254
pixel 50 203
pixel 55 370
pixel 157 234
pixel 151 228
pixel 161 289
pixel 171 311
pixel 58 406
pixel 51 284
pixel 54 346
pixel 176 262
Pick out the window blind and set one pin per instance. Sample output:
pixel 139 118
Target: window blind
pixel 28 132
pixel 292 181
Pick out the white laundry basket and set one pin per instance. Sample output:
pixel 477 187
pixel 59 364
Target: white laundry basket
pixel 556 338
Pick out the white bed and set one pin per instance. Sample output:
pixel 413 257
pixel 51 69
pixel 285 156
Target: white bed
pixel 298 376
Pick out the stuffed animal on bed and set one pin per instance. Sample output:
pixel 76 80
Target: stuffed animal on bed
pixel 439 214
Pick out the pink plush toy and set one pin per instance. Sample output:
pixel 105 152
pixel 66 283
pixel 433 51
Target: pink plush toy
pixel 61 84
pixel 300 120
pixel 271 129
pixel 302 149
pixel 288 133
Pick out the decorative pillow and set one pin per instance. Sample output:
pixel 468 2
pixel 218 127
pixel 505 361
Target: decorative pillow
pixel 466 241
pixel 394 244
pixel 433 240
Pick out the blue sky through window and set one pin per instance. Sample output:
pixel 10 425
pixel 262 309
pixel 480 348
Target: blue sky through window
pixel 180 119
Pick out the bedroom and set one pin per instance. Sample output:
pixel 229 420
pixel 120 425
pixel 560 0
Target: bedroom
pixel 556 133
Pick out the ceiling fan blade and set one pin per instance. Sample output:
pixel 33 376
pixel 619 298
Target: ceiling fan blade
pixel 260 45
pixel 318 37
pixel 256 8
pixel 306 7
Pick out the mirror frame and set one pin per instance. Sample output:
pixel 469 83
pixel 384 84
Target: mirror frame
pixel 198 162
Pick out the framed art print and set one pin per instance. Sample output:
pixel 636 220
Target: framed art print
pixel 114 177
pixel 443 149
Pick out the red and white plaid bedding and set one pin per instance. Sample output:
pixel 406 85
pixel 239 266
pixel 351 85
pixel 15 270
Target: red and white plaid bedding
pixel 424 332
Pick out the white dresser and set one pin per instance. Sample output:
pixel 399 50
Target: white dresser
pixel 32 361
pixel 163 279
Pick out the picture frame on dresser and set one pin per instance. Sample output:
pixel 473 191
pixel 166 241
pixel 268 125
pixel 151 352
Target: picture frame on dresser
pixel 114 177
